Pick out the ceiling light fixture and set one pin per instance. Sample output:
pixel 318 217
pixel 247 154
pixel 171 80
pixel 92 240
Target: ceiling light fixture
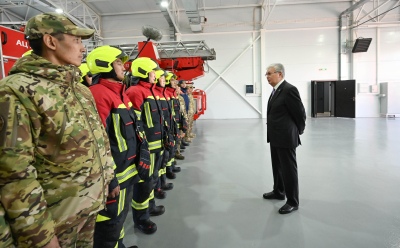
pixel 164 4
pixel 59 11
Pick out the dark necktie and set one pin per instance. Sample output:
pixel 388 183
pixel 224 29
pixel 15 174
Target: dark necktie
pixel 273 92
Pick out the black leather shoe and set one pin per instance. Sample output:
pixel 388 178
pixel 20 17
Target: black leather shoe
pixel 271 195
pixel 185 143
pixel 167 186
pixel 133 246
pixel 160 194
pixel 182 150
pixel 182 147
pixel 287 209
pixel 176 169
pixel 159 210
pixel 171 175
pixel 147 227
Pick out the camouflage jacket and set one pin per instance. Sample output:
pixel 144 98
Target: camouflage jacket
pixel 183 106
pixel 55 160
pixel 192 107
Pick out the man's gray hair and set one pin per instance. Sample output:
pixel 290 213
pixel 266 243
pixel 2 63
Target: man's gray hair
pixel 278 67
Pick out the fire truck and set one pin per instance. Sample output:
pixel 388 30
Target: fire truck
pixel 13 46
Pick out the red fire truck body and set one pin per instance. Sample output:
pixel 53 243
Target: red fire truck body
pixel 13 46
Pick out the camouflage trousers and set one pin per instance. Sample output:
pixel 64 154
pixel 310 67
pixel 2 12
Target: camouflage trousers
pixel 190 124
pixel 78 235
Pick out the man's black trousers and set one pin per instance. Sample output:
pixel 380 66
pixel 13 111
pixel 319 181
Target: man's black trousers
pixel 284 169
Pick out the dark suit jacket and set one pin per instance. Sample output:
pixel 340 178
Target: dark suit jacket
pixel 286 117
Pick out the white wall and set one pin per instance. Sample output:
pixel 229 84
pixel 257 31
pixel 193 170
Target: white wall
pixel 302 37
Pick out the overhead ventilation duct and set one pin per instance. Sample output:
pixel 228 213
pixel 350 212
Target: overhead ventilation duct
pixel 163 7
pixel 192 12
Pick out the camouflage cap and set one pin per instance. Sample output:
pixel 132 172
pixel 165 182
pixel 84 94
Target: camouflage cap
pixel 54 23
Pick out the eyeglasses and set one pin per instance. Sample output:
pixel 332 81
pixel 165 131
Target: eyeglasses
pixel 270 73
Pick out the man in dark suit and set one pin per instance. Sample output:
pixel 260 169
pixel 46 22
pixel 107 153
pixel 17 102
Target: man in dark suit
pixel 285 122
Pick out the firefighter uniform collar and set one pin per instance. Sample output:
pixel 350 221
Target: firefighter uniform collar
pixel 146 84
pixel 114 86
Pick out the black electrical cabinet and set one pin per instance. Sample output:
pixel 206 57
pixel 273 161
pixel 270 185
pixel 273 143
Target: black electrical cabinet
pixel 333 98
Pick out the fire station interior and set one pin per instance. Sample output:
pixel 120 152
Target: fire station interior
pixel 343 57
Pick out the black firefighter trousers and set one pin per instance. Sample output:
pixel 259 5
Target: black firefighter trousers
pixel 109 233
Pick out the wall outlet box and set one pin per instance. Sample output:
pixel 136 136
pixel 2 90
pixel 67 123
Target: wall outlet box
pixel 363 88
pixel 374 88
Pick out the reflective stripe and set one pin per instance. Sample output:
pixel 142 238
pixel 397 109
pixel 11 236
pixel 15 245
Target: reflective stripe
pixel 121 141
pixel 161 172
pixel 138 114
pixel 127 173
pixel 121 202
pixel 130 104
pixel 151 195
pixel 113 164
pixel 140 206
pixel 150 97
pixel 179 125
pixel 154 145
pixel 147 112
pixel 169 163
pixel 101 218
pixel 122 106
pixel 173 109
pixel 152 158
pixel 122 235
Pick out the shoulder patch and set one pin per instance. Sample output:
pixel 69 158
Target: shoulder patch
pixel 4 112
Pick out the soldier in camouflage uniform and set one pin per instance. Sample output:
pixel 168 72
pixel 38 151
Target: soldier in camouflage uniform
pixel 191 113
pixel 55 159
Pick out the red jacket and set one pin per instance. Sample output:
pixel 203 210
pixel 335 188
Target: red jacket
pixel 113 106
pixel 146 109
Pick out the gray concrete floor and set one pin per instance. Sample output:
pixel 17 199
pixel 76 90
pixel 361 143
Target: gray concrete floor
pixel 349 176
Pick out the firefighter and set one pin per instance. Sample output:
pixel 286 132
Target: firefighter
pixel 148 113
pixel 157 92
pixel 86 78
pixel 123 132
pixel 168 93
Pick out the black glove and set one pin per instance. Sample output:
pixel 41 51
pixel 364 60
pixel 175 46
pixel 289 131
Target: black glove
pixel 144 162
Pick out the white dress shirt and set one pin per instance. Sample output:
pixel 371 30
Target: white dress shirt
pixel 279 84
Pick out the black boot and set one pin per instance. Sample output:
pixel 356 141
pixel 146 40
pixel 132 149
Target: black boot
pixel 160 194
pixel 182 147
pixel 171 175
pixel 147 227
pixel 176 169
pixel 167 186
pixel 185 143
pixel 159 210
